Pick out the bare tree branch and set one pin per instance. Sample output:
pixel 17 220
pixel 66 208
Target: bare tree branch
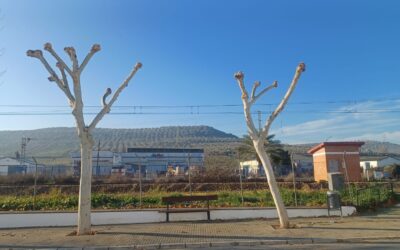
pixel 254 98
pixel 106 109
pixel 300 69
pixel 95 48
pixel 246 106
pixel 77 109
pixel 104 98
pixel 53 76
pixel 50 49
pixel 65 84
pixel 72 55
pixel 253 91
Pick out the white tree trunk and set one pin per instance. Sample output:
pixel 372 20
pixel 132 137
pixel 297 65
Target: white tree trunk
pixel 273 186
pixel 85 187
pixel 84 131
pixel 258 137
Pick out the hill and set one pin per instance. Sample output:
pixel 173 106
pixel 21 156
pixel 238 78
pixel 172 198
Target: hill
pixel 58 142
pixel 61 141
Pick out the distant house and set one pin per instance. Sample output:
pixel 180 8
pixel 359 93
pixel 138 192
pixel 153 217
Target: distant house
pixel 334 157
pixel 369 162
pixel 10 166
pixel 251 168
pixel 375 165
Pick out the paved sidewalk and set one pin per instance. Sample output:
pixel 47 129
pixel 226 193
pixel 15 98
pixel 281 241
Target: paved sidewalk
pixel 382 226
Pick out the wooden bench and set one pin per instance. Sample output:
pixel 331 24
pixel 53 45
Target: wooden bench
pixel 174 200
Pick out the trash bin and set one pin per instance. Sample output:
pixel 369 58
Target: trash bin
pixel 333 202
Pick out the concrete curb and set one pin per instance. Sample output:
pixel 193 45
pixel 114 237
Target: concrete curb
pixel 294 241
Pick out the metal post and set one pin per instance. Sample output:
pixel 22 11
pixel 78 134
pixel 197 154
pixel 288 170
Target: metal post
pixel 190 181
pixel 391 188
pixel 98 156
pixel 34 184
pixel 347 176
pixel 357 200
pixel 294 180
pixel 140 182
pixel 240 179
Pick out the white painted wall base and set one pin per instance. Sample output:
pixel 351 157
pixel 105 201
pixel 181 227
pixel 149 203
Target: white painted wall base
pixel 54 219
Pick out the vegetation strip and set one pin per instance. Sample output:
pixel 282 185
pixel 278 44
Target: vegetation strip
pixel 152 199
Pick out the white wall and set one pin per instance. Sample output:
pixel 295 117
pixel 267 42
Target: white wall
pixel 50 219
pixel 372 164
pixel 3 170
pixel 379 163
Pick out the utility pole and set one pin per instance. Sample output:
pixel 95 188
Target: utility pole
pixel 259 120
pixel 24 142
pixel 294 179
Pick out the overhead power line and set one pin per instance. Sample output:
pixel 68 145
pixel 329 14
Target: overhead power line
pixel 199 112
pixel 207 105
pixel 205 109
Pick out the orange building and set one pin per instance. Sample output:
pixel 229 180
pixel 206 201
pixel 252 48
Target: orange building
pixel 333 157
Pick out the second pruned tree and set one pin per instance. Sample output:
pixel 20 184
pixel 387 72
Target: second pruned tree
pixel 84 129
pixel 258 137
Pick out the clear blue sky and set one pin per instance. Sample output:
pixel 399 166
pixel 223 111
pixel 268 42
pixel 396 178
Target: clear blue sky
pixel 190 51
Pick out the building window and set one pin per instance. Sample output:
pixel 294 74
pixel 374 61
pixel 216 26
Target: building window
pixel 333 166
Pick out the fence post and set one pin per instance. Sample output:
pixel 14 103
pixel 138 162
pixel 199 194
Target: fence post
pixel 391 188
pixel 357 191
pixel 379 195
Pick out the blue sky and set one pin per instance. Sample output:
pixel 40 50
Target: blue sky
pixel 190 51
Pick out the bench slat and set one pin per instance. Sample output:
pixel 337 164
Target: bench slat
pixel 183 210
pixel 189 198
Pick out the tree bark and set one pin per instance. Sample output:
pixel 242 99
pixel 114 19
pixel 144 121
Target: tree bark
pixel 85 187
pixel 273 186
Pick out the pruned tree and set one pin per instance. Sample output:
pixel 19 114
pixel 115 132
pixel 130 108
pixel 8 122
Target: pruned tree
pixel 84 131
pixel 259 137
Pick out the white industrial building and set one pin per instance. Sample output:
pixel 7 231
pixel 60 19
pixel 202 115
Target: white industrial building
pixel 11 166
pixel 151 161
pixel 102 162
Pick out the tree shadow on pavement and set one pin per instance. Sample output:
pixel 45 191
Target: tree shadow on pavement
pixel 354 228
pixel 199 236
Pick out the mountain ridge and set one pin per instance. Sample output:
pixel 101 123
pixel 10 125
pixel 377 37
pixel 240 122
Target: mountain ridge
pixel 59 141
